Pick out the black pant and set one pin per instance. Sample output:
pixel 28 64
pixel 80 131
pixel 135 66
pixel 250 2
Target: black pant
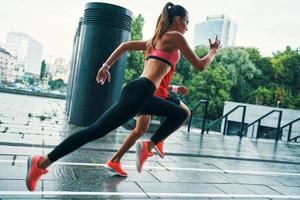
pixel 136 97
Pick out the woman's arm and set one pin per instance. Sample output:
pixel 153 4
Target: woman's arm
pixel 198 63
pixel 103 73
pixel 134 45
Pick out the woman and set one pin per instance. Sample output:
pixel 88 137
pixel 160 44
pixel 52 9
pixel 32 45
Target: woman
pixel 137 96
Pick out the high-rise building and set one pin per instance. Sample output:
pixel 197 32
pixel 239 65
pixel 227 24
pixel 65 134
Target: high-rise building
pixel 214 25
pixel 29 52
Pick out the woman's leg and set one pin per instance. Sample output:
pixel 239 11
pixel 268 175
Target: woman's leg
pixel 117 115
pixel 175 116
pixel 140 129
pixel 187 110
pixel 159 148
pixel 133 98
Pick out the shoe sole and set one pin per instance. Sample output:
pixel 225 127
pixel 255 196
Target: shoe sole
pixel 114 171
pixel 158 152
pixel 139 146
pixel 28 171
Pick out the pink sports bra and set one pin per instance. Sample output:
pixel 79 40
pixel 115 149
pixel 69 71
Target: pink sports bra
pixel 168 57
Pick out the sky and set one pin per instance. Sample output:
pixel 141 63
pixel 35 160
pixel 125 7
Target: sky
pixel 269 25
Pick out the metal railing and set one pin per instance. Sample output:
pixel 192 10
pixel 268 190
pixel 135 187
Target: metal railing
pixel 290 130
pixel 226 120
pixel 290 124
pixel 259 122
pixel 202 101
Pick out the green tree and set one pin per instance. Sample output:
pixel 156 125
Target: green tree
pixel 213 84
pixel 290 76
pixel 56 84
pixel 265 75
pixel 241 70
pixel 135 59
pixel 262 96
pixel 184 69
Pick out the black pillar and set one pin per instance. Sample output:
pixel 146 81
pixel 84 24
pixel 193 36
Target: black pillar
pixel 104 27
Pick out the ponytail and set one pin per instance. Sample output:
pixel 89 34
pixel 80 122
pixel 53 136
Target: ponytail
pixel 162 24
pixel 164 21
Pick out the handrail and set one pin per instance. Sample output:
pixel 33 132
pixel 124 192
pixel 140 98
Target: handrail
pixel 295 138
pixel 290 130
pixel 265 115
pixel 198 103
pixel 225 116
pixel 204 117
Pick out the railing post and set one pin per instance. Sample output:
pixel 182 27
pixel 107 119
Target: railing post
pixel 225 126
pixel 257 131
pixel 243 121
pixel 190 121
pixel 204 117
pixel 278 125
pixel 290 132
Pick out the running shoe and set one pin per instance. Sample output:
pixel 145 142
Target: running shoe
pixel 159 148
pixel 142 154
pixel 116 168
pixel 34 173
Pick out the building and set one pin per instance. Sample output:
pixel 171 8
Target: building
pixel 8 68
pixel 59 69
pixel 28 52
pixel 214 25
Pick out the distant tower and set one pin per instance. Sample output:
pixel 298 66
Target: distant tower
pixel 214 25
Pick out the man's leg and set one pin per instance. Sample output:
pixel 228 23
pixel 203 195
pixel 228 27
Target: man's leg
pixel 141 127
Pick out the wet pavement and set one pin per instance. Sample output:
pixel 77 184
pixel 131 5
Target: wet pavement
pixel 196 166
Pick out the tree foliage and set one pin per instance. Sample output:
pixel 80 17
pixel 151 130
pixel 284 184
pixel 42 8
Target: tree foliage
pixel 135 59
pixel 56 84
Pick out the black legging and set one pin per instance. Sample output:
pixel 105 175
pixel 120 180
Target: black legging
pixel 136 97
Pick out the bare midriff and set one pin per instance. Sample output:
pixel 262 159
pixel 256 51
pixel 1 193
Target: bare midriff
pixel 155 70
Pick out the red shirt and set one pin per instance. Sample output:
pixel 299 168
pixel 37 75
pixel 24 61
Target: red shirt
pixel 172 58
pixel 162 91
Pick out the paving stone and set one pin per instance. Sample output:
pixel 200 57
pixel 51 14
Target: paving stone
pixel 285 190
pixel 252 179
pixel 179 188
pixel 262 189
pixel 234 189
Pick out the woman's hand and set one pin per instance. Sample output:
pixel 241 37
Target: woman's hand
pixel 103 74
pixel 183 90
pixel 216 45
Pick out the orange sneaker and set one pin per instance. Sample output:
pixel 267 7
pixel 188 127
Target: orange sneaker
pixel 34 173
pixel 142 154
pixel 116 168
pixel 159 149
